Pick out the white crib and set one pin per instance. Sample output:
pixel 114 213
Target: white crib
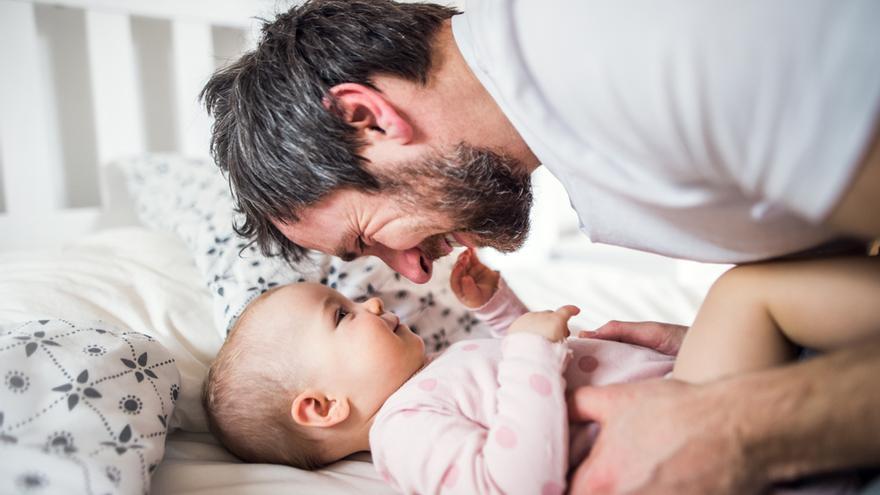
pixel 85 82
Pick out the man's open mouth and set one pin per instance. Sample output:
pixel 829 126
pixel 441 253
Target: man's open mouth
pixel 443 244
pixel 438 246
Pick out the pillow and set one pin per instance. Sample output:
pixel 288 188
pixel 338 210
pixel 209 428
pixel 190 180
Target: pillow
pixel 191 198
pixel 132 278
pixel 84 407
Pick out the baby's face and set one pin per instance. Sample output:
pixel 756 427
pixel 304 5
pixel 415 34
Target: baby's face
pixel 355 348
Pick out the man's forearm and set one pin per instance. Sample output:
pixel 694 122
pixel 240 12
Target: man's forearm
pixel 811 417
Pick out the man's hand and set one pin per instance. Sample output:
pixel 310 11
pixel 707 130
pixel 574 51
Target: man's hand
pixel 661 436
pixel 472 282
pixel 665 338
pixel 552 325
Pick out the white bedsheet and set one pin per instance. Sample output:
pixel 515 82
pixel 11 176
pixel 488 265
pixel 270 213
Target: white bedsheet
pixel 132 278
pixel 146 281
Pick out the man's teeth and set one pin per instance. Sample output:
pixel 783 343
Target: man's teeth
pixel 451 241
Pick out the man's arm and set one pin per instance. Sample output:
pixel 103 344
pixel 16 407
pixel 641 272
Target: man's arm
pixel 736 435
pixel 858 212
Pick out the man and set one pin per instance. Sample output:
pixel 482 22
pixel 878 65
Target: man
pixel 715 131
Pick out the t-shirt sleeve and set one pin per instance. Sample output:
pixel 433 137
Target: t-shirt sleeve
pixel 430 446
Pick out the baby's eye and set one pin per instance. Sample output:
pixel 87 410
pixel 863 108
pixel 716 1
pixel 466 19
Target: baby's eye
pixel 340 314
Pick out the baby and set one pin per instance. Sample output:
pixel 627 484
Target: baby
pixel 308 377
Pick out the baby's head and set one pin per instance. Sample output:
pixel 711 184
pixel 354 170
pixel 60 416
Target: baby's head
pixel 304 372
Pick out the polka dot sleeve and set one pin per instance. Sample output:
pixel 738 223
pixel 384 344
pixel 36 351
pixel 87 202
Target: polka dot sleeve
pixel 528 439
pixel 501 309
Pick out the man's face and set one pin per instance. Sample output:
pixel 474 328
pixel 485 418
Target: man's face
pixel 470 197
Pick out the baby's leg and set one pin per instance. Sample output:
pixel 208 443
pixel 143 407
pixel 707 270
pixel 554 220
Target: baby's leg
pixel 755 315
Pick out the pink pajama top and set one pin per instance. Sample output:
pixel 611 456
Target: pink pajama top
pixel 489 415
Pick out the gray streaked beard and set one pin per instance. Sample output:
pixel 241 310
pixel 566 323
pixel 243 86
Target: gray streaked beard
pixel 485 194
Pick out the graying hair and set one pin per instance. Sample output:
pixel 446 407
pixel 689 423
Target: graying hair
pixel 281 148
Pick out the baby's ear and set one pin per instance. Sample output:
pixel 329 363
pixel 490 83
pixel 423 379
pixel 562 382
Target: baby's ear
pixel 313 408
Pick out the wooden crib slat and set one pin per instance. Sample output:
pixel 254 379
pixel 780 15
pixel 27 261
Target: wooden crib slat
pixel 115 89
pixel 32 178
pixel 193 65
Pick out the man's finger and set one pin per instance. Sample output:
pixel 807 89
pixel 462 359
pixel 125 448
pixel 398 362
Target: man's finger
pixel 593 403
pixel 613 330
pixel 580 481
pixel 662 337
pixel 638 333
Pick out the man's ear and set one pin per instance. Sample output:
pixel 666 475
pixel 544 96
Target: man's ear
pixel 370 112
pixel 313 408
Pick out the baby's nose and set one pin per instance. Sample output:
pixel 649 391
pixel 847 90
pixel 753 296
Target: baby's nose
pixel 375 306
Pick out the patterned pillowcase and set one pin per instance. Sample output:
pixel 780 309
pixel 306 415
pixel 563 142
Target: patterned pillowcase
pixel 84 408
pixel 191 199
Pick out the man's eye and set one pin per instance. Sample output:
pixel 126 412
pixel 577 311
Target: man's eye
pixel 340 314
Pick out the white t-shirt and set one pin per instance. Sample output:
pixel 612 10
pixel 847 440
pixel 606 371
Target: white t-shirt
pixel 713 130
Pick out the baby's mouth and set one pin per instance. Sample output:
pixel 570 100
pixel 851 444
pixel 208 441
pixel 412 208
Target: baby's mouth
pixel 396 322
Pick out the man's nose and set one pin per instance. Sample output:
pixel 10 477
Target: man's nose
pixel 407 263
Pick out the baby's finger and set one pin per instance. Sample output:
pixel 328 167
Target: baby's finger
pixel 473 258
pixel 469 287
pixel 568 310
pixel 456 270
pixel 462 258
pixel 455 278
pixel 468 257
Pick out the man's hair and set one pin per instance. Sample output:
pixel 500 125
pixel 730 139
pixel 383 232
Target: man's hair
pixel 273 135
pixel 248 395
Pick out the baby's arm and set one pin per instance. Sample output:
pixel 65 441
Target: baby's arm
pixel 431 446
pixel 754 313
pixel 484 291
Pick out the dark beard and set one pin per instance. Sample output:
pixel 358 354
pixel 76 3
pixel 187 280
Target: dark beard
pixel 485 194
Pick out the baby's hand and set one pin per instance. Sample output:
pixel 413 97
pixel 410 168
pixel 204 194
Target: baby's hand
pixel 552 325
pixel 473 282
